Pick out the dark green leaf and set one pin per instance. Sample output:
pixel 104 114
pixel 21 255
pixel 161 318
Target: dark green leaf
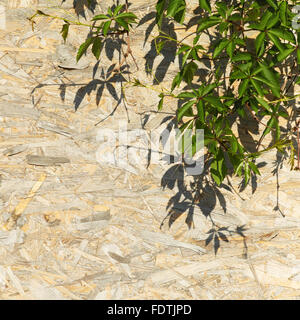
pixel 276 41
pixel 160 104
pixel 106 27
pixel 82 49
pixel 284 54
pixel 97 47
pixel 189 71
pixel 220 47
pixel 204 4
pixel 242 56
pixel 184 109
pixel 283 34
pixel 206 23
pixel 257 87
pixel 201 111
pixel 215 101
pixel 64 31
pixel 259 41
pixel 243 87
pixel 123 23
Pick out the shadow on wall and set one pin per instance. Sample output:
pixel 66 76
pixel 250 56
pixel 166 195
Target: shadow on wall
pixel 200 193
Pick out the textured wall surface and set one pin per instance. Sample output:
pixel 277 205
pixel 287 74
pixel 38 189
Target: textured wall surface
pixel 76 226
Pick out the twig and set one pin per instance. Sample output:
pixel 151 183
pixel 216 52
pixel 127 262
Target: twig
pixel 129 51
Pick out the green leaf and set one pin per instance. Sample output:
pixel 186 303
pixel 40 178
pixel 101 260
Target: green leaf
pixel 218 168
pixel 185 95
pixel 263 22
pixel 204 4
pixel 206 23
pixel 270 125
pixel 283 34
pixel 282 12
pixel 97 47
pixel 230 48
pixel 220 47
pixel 186 56
pixel 246 173
pixel 276 41
pixel 263 103
pixel 243 87
pixel 254 168
pixel 100 17
pixel 298 56
pixel 129 16
pixel 257 87
pixel 160 12
pixel 176 81
pixel 106 27
pixel 82 49
pixel 259 43
pixel 161 102
pixel 123 23
pixel 284 54
pixel 189 72
pixel 273 80
pixel 267 82
pixel 65 30
pixel 215 101
pixel 208 88
pixel 183 48
pixel 184 109
pixel 272 4
pixel 242 56
pixel 201 111
pixel 176 9
pixel 272 22
pixel 118 9
pixel 237 74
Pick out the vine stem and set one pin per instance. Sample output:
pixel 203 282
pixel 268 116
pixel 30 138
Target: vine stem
pixel 128 51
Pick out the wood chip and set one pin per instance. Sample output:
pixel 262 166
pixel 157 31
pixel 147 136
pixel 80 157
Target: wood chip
pixel 46 161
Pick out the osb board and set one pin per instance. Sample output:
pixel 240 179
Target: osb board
pixel 84 230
